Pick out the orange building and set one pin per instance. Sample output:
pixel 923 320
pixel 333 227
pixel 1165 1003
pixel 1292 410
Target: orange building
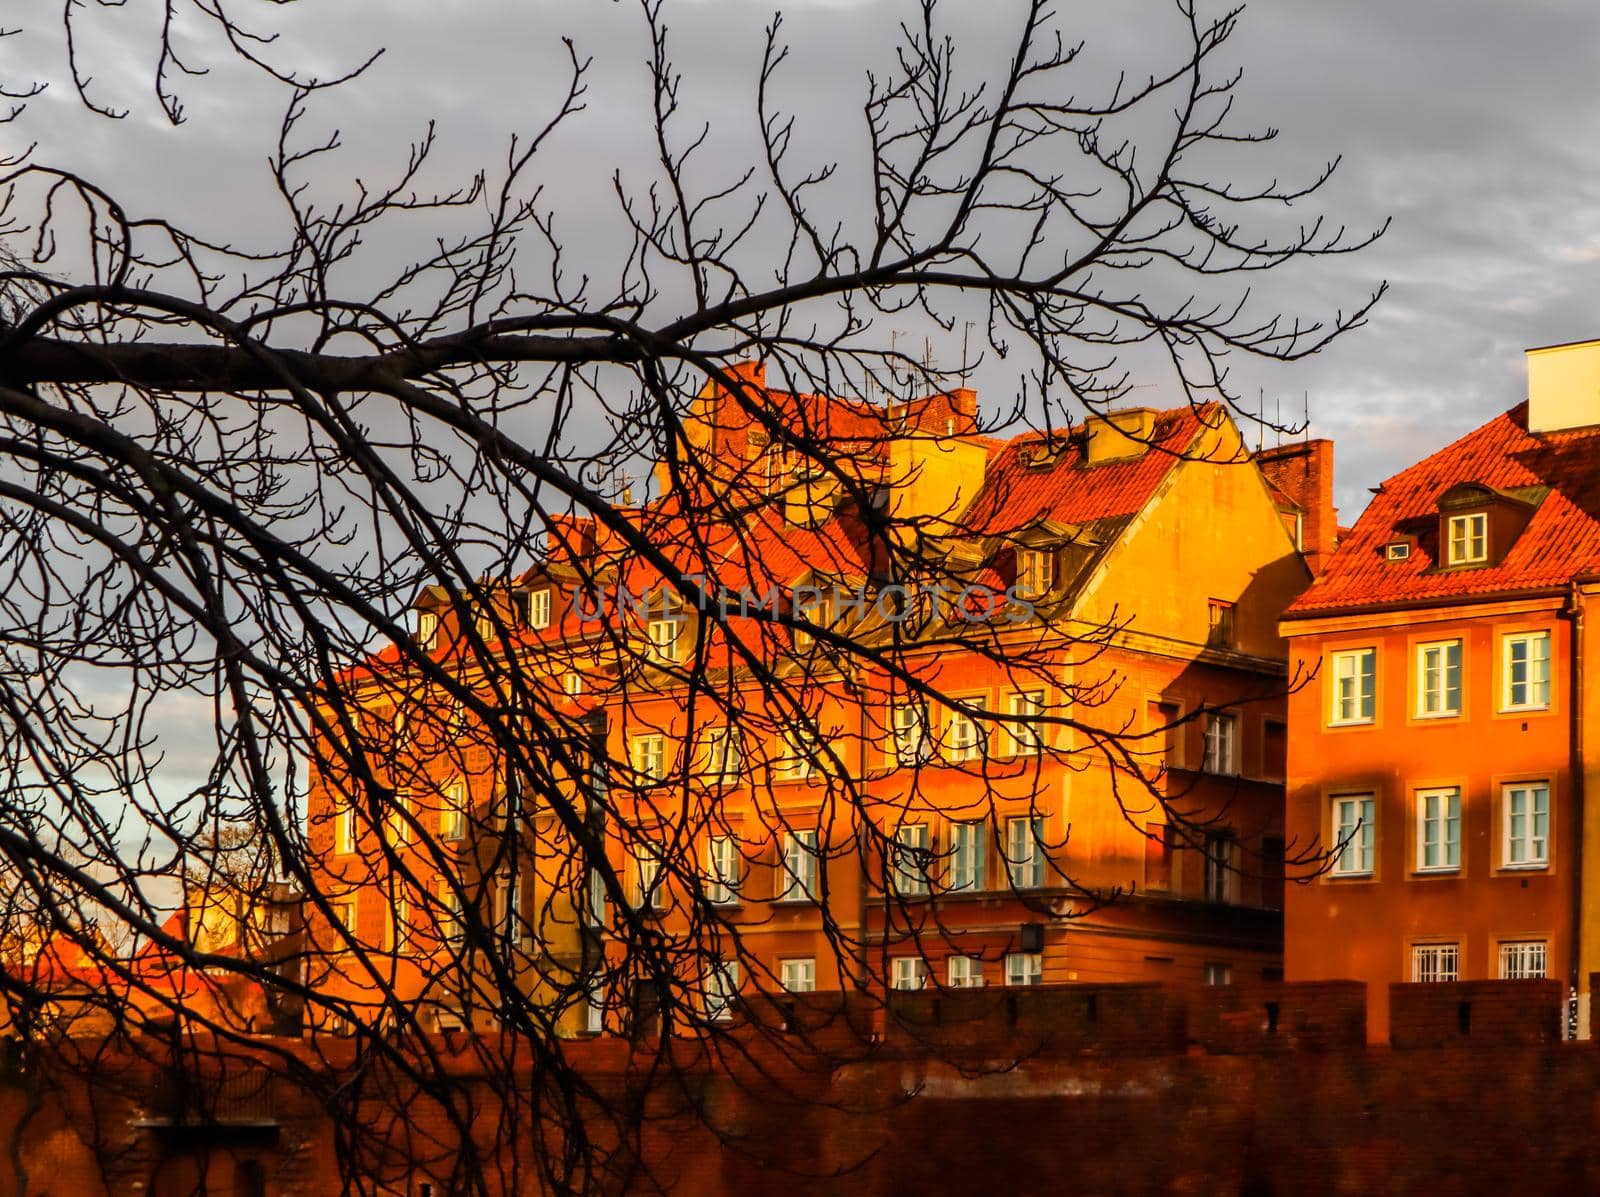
pixel 1082 780
pixel 1439 748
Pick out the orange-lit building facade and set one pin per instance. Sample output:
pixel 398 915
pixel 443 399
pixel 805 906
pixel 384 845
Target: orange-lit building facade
pixel 1094 794
pixel 1439 750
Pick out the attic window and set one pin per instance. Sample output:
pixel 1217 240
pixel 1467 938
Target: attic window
pixel 1036 572
pixel 427 627
pixel 1397 551
pixel 1468 539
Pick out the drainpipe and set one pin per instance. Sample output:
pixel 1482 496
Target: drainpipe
pixel 1574 611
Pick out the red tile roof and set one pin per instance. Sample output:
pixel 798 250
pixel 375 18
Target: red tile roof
pixel 1560 542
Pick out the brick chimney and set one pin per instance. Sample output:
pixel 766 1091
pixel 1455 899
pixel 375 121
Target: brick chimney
pixel 1302 472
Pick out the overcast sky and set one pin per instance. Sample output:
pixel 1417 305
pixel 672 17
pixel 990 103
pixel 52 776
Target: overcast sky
pixel 1471 123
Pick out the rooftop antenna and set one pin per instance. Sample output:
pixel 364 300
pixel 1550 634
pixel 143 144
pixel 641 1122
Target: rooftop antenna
pixel 966 361
pixel 1305 417
pixel 1277 421
pixel 1261 415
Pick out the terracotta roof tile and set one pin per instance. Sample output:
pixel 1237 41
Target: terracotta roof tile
pixel 1560 542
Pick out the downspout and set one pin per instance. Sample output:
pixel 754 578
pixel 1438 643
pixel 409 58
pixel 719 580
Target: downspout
pixel 1575 765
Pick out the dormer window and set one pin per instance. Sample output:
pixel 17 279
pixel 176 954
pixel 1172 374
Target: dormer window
pixel 427 627
pixel 1468 537
pixel 1036 572
pixel 539 608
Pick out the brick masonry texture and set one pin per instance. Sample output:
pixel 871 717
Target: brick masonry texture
pixel 1115 1089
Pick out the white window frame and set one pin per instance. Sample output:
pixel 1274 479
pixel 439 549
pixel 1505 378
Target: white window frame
pixel 346 915
pixel 1433 700
pixel 1221 623
pixel 724 755
pixel 1036 572
pixel 1536 688
pixel 646 892
pixel 968 857
pixel 1435 962
pixel 911 742
pixel 1354 839
pixel 1523 959
pixel 396 827
pixel 572 683
pixel 1220 877
pixel 798 751
pixel 799 878
pixel 452 923
pixel 649 751
pixel 908 973
pixel 1439 829
pixel 1216 973
pixel 1221 744
pixel 399 922
pixel 661 636
pixel 910 874
pixel 963 739
pixel 964 972
pixel 798 975
pixel 344 826
pixel 1025 855
pixel 722 870
pixel 427 628
pixel 1468 538
pixel 594 1008
pixel 1024 739
pixel 1024 968
pixel 1525 833
pixel 595 899
pixel 453 818
pixel 539 608
pixel 720 989
pixel 1353 697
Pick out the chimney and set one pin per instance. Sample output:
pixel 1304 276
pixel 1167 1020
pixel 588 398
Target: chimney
pixel 1303 472
pixel 1564 386
pixel 1119 435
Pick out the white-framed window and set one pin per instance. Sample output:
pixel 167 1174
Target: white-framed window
pixel 650 757
pixel 647 893
pixel 483 624
pixel 1024 968
pixel 1215 972
pixel 1439 678
pixel 1222 743
pixel 963 739
pixel 595 899
pixel 723 756
pixel 1439 829
pixel 1036 572
pixel 453 818
pixel 1219 623
pixel 512 921
pixel 594 1008
pixel 1025 858
pixel 344 826
pixel 967 856
pixel 539 608
pixel 398 824
pixel 722 870
pixel 572 683
pixel 799 881
pixel 345 914
pixel 799 753
pixel 1526 813
pixel 452 927
pixel 399 922
pixel 1525 671
pixel 912 743
pixel 964 972
pixel 1024 737
pixel 721 989
pixel 1469 539
pixel 1354 674
pixel 1354 835
pixel 1523 960
pixel 1220 873
pixel 911 859
pixel 799 975
pixel 908 972
pixel 1435 962
pixel 427 627
pixel 662 635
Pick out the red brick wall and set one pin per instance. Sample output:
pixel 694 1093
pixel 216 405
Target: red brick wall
pixel 1256 1090
pixel 1304 472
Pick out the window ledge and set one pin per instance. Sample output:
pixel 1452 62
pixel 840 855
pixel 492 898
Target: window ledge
pixel 1526 866
pixel 1530 709
pixel 1364 722
pixel 1438 714
pixel 1352 875
pixel 1437 871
